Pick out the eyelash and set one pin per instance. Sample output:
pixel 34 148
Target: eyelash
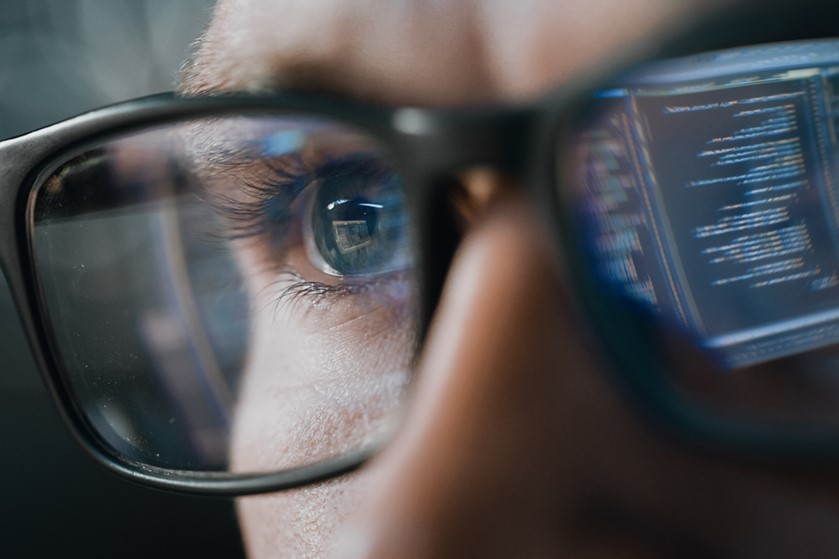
pixel 315 291
pixel 257 214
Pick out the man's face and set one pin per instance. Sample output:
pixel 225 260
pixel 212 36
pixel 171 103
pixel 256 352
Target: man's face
pixel 514 444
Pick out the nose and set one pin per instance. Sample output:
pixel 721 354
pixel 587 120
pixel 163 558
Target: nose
pixel 477 470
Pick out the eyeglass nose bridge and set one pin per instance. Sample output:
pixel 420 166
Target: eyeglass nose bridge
pixel 443 142
pixel 443 147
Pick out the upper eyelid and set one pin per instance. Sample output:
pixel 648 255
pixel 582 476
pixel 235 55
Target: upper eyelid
pixel 256 203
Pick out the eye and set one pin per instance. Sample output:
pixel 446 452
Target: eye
pixel 357 221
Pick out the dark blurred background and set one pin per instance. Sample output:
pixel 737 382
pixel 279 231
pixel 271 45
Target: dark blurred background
pixel 59 58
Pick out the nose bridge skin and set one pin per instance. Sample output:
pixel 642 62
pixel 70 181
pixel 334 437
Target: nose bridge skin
pixel 515 443
pixel 477 470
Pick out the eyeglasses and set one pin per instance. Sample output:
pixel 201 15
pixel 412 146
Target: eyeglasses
pixel 227 293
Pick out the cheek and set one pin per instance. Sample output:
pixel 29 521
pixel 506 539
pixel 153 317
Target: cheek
pixel 302 523
pixel 320 381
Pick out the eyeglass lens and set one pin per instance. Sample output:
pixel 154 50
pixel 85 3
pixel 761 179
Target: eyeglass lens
pixel 707 191
pixel 230 293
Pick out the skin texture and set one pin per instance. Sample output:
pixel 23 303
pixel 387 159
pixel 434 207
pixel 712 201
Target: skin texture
pixel 526 450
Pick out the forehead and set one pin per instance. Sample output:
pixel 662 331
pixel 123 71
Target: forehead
pixel 423 51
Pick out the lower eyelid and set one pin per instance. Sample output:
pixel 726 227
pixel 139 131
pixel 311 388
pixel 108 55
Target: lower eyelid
pixel 320 306
pixel 320 291
pixel 312 290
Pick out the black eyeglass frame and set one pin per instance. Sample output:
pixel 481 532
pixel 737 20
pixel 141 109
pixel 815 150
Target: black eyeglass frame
pixel 425 144
pixel 428 146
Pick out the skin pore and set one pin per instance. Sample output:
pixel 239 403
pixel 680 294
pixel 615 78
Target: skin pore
pixel 514 444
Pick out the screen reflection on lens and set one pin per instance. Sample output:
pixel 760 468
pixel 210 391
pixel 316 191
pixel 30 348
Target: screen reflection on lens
pixel 706 190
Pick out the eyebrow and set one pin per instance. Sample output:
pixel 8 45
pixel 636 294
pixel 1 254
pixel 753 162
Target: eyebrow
pixel 207 71
pixel 339 68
